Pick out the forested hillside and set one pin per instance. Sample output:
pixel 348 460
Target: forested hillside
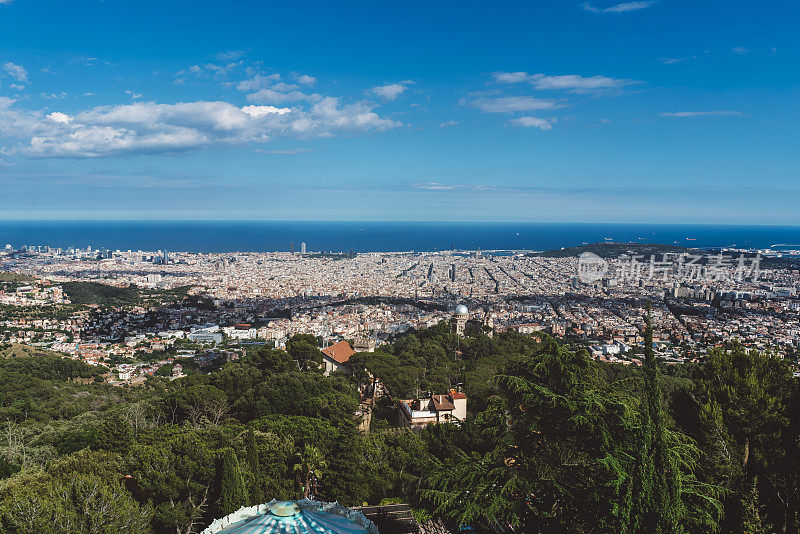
pixel 555 442
pixel 98 294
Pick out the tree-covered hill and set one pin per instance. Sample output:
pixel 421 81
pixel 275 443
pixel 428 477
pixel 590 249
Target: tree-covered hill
pixel 95 293
pixel 18 350
pixel 615 250
pixel 100 294
pixel 554 441
pixel 7 276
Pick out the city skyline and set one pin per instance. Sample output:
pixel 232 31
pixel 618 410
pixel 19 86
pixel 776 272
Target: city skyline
pixel 577 112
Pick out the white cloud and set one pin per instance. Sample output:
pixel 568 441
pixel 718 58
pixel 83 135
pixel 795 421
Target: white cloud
pixel 281 86
pixel 436 186
pixel 532 122
pixel 230 55
pixel 567 82
pixel 703 113
pixel 511 77
pixel 273 96
pixel 276 110
pixel 261 111
pixel 439 186
pixel 268 89
pixel 206 69
pixel 576 83
pixel 53 96
pixel 326 116
pixel 448 124
pixel 508 104
pixel 16 124
pixel 671 60
pixel 221 70
pixel 259 81
pixel 624 7
pixel 57 116
pixel 389 92
pixel 740 50
pixel 89 61
pixel 305 79
pixel 16 71
pixel 5 2
pixel 148 127
pixel 288 152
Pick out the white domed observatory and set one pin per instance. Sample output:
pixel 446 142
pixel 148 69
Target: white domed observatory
pixel 460 319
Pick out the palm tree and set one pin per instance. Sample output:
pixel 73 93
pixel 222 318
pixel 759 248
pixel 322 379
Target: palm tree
pixel 309 462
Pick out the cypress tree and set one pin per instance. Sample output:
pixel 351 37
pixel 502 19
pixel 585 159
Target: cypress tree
pixel 751 519
pixel 257 489
pixel 233 494
pixel 652 501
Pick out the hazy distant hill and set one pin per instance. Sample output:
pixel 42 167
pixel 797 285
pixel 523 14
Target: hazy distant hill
pixel 613 250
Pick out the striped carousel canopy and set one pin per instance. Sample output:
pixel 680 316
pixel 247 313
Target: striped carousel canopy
pixel 293 517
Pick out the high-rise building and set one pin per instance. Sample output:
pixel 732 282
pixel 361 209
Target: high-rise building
pixel 303 247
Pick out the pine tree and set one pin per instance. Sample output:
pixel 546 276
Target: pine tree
pixel 232 491
pixel 257 489
pixel 652 500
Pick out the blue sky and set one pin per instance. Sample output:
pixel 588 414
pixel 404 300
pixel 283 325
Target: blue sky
pixel 676 111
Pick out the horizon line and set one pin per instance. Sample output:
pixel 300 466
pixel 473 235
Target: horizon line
pixel 394 221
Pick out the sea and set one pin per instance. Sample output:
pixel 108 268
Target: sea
pixel 353 236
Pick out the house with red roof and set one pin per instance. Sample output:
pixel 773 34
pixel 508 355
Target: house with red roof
pixel 335 357
pixel 447 408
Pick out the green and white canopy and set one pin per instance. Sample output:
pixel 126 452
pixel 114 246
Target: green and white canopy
pixel 293 517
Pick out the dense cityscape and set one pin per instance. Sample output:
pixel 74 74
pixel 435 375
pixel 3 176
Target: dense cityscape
pixel 265 298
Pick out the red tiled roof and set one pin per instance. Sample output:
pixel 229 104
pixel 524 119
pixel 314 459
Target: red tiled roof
pixel 457 395
pixel 339 352
pixel 441 403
